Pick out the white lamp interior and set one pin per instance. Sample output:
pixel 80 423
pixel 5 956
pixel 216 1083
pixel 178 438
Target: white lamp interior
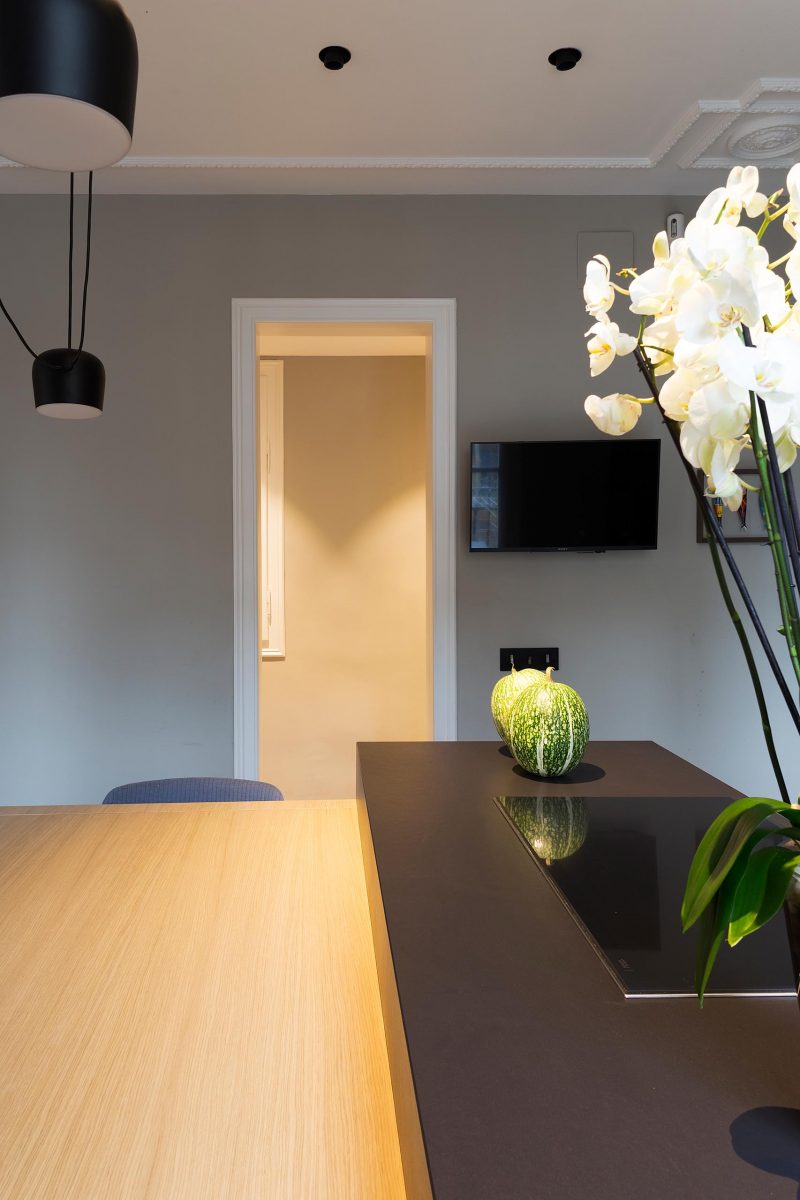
pixel 57 133
pixel 69 412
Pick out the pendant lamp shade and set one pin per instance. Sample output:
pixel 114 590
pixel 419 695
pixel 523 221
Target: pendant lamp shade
pixel 68 74
pixel 68 384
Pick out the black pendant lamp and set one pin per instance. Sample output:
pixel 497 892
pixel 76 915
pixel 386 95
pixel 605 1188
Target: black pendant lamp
pixel 68 72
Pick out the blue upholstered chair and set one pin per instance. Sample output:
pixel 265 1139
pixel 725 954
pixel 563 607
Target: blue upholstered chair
pixel 182 791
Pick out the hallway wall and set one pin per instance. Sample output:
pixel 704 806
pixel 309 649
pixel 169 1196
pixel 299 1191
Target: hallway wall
pixel 355 462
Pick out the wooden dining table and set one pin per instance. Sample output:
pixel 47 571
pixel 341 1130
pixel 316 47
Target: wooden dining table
pixel 189 1006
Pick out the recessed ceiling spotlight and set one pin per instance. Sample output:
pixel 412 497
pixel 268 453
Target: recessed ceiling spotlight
pixel 334 57
pixel 565 58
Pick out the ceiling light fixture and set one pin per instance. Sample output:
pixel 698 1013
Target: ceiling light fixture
pixel 565 58
pixel 335 57
pixel 68 382
pixel 68 73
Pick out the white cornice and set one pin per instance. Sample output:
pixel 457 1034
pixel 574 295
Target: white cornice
pixel 696 130
pixel 343 163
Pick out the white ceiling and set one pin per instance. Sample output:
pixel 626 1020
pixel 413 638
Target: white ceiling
pixel 448 95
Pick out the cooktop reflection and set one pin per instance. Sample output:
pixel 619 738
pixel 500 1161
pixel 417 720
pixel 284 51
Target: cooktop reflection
pixel 619 865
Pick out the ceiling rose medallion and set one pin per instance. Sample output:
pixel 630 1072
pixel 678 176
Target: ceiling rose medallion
pixel 765 140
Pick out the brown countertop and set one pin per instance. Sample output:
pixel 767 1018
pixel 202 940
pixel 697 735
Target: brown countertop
pixel 534 1078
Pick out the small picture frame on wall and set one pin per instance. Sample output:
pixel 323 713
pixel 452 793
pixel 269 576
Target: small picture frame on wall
pixel 746 525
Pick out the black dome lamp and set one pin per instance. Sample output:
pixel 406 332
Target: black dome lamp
pixel 68 73
pixel 68 384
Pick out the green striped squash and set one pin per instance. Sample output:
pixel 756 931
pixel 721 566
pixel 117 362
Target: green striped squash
pixel 553 826
pixel 505 694
pixel 549 728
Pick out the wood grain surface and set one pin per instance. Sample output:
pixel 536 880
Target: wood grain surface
pixel 189 1006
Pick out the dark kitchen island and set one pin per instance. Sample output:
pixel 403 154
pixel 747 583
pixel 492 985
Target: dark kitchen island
pixel 520 1071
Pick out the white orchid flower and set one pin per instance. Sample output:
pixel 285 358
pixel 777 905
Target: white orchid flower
pixel 702 293
pixel 598 291
pixel 654 292
pixel 659 342
pixel 697 446
pixel 615 414
pixel 651 291
pixel 720 409
pixel 771 368
pixel 713 306
pixel 793 270
pixel 677 392
pixel 791 221
pixel 712 206
pixel 771 291
pixel 606 341
pixel 730 249
pixel 786 450
pixel 784 421
pixel 722 474
pixel 724 205
pixel 702 357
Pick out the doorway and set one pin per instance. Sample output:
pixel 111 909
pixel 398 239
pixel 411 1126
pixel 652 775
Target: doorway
pixel 349 633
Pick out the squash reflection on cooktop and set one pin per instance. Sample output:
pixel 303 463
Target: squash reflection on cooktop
pixel 619 865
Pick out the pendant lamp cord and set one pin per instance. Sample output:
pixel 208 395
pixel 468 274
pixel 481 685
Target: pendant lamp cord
pixel 15 327
pixel 71 247
pixel 86 272
pixel 7 314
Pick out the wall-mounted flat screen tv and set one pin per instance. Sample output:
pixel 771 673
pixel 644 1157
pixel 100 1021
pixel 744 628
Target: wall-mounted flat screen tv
pixel 596 495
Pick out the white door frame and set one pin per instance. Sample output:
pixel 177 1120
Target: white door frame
pixel 247 314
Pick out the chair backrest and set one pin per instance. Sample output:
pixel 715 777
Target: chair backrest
pixel 183 791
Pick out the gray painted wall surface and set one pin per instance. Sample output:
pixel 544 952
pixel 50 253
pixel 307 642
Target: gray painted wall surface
pixel 115 535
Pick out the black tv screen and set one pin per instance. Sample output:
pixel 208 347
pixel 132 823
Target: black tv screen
pixel 598 495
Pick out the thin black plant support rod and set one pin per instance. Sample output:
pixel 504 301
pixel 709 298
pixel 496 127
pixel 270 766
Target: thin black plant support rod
pixel 784 517
pixel 713 528
pixel 770 479
pixel 71 248
pixel 785 525
pixel 751 666
pixel 792 497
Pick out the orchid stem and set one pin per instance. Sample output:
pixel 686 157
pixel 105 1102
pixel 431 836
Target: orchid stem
pixel 792 498
pixel 741 633
pixel 786 596
pixel 714 530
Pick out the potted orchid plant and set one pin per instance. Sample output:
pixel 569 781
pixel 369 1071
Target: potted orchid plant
pixel 716 337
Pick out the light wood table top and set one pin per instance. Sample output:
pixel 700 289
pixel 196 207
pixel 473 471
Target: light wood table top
pixel 189 1007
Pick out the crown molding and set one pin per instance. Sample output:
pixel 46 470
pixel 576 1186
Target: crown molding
pixel 725 164
pixel 711 117
pixel 725 113
pixel 366 163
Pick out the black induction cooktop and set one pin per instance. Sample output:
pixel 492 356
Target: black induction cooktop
pixel 619 864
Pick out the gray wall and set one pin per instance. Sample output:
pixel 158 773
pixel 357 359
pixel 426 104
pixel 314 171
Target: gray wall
pixel 115 535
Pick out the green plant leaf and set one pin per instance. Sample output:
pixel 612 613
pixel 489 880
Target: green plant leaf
pixel 716 916
pixel 761 890
pixel 720 847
